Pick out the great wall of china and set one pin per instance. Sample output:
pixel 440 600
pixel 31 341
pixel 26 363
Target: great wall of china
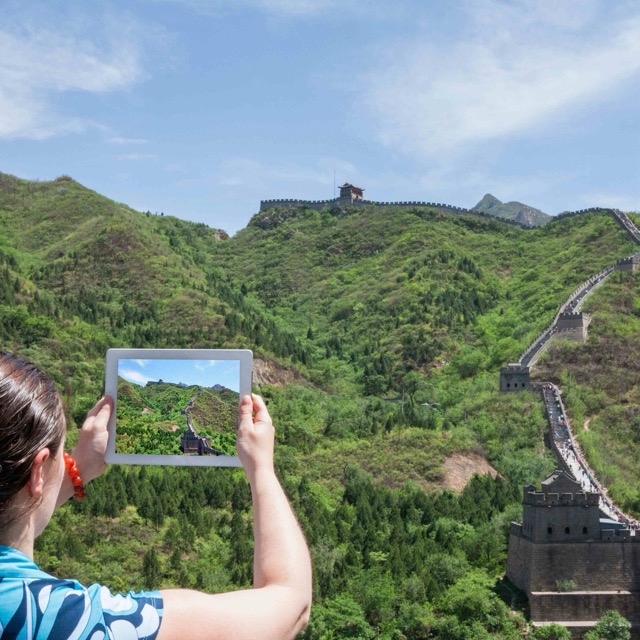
pixel 355 201
pixel 576 555
pixel 573 535
pixel 565 446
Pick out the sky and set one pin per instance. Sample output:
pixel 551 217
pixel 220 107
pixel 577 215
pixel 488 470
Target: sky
pixel 205 373
pixel 202 108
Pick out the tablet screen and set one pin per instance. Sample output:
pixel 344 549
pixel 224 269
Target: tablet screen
pixel 176 406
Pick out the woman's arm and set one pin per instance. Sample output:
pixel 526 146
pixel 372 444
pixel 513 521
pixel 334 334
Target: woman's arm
pixel 91 447
pixel 278 606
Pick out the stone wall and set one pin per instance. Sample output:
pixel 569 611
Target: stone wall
pixel 348 202
pixel 580 606
pixel 601 565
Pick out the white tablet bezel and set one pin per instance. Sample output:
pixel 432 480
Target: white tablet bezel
pixel 243 356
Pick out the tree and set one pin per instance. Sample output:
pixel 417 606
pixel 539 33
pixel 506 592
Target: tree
pixel 612 626
pixel 551 632
pixel 151 569
pixel 340 617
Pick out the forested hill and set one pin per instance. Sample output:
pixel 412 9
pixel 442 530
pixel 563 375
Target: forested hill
pixel 378 335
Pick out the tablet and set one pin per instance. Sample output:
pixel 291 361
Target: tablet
pixel 176 406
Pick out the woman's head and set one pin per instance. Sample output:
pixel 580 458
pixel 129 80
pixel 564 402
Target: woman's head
pixel 31 419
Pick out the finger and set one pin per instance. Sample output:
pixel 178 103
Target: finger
pixel 98 418
pixel 246 410
pixel 104 412
pixel 260 408
pixel 98 406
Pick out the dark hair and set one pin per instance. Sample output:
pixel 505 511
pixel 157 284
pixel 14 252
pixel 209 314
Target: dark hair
pixel 31 418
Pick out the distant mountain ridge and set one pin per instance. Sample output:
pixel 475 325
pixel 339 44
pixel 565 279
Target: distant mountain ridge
pixel 516 211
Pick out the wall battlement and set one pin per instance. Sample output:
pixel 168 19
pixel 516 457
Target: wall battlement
pixel 265 205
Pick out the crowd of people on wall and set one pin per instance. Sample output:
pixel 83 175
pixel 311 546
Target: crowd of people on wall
pixel 568 448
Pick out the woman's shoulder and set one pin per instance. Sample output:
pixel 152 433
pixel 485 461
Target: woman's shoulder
pixel 58 607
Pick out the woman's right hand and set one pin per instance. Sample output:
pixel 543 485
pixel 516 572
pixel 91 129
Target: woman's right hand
pixel 255 437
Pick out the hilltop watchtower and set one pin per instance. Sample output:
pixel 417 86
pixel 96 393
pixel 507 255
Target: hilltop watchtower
pixel 514 377
pixel 190 441
pixel 351 193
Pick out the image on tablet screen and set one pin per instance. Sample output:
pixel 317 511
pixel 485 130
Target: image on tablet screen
pixel 177 407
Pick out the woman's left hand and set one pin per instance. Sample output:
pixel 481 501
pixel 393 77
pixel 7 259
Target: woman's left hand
pixel 92 441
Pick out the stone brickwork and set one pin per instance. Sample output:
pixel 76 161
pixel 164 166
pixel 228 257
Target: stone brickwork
pixel 573 326
pixel 609 564
pixel 587 606
pixel 514 377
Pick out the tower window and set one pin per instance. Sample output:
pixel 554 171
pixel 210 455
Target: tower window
pixel 584 530
pixel 567 530
pixel 549 530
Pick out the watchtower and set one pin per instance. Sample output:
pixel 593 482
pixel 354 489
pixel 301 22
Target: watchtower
pixel 560 512
pixel 514 377
pixel 573 326
pixel 351 192
pixel 190 441
pixel 632 263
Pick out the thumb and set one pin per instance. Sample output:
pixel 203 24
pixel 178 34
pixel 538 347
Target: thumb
pixel 246 410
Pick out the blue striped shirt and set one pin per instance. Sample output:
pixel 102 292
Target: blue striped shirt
pixel 37 606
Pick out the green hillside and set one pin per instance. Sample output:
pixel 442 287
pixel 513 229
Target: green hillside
pixel 378 334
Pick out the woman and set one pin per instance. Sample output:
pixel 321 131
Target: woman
pixel 35 478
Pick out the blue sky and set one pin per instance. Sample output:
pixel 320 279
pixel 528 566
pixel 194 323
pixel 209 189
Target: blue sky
pixel 205 373
pixel 201 108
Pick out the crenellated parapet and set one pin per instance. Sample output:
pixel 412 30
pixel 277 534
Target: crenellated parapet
pixel 317 205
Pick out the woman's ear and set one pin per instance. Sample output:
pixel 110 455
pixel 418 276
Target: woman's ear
pixel 36 479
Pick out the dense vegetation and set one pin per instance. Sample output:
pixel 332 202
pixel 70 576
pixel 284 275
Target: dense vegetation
pixel 382 331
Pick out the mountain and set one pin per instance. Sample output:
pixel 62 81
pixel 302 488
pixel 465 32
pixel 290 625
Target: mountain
pixel 522 213
pixel 378 334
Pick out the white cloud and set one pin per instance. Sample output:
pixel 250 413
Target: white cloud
pixel 517 66
pixel 40 62
pixel 122 140
pixel 280 8
pixel 204 365
pixel 137 157
pixel 131 375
